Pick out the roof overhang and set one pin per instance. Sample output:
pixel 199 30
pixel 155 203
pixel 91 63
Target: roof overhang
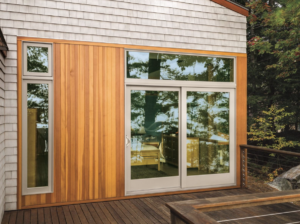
pixel 3 45
pixel 233 6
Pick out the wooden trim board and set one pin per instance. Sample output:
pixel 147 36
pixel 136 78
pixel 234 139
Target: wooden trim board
pixel 232 6
pixel 84 170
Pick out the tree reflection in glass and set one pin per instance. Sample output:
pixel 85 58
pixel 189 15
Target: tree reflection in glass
pixel 154 134
pixel 37 59
pixel 145 65
pixel 207 132
pixel 37 139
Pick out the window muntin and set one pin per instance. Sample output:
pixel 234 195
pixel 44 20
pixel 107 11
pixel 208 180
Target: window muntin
pixel 163 66
pixel 37 59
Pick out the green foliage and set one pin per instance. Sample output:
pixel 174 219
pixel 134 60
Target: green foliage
pixel 263 131
pixel 274 58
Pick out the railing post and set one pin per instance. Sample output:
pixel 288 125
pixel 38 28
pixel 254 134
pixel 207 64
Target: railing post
pixel 244 169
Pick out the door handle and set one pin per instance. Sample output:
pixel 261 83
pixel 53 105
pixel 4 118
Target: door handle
pixel 127 141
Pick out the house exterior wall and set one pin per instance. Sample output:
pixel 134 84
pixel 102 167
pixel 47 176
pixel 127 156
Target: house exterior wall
pixel 185 24
pixel 2 137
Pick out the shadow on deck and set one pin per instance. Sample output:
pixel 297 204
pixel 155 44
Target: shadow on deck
pixel 147 210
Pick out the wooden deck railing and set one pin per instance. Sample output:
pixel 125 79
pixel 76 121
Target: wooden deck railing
pixel 244 157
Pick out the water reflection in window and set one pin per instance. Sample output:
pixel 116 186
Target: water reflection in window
pixel 154 134
pixel 145 65
pixel 37 141
pixel 207 133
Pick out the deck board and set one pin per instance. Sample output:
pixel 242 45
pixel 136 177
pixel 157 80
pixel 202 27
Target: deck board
pixel 148 211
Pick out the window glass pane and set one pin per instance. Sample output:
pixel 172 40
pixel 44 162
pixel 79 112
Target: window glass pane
pixel 145 65
pixel 154 134
pixel 37 59
pixel 37 140
pixel 207 133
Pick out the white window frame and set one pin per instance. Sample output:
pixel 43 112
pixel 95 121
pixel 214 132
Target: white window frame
pixel 38 78
pixel 50 61
pixel 186 181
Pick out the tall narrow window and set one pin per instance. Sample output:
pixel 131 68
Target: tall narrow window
pixel 37 142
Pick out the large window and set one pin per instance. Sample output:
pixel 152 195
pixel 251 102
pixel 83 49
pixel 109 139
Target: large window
pixel 180 119
pixel 37 120
pixel 162 66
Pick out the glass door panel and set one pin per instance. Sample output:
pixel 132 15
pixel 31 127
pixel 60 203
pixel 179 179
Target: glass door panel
pixel 208 141
pixel 207 133
pixel 154 142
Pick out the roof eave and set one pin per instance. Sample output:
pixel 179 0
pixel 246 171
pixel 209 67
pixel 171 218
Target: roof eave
pixel 233 6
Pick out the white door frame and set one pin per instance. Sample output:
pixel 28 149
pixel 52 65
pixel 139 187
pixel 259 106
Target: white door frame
pixel 150 185
pixel 181 182
pixel 209 180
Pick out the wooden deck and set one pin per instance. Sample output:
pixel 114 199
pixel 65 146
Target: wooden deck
pixel 142 210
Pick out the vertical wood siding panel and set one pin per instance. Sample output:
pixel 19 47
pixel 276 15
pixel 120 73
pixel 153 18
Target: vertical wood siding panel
pixel 88 125
pixel 76 149
pixel 91 124
pixel 113 122
pixel 96 121
pixel 63 123
pixel 102 189
pixel 71 119
pixel 121 124
pixel 68 124
pixel 56 197
pixel 241 110
pixel 80 118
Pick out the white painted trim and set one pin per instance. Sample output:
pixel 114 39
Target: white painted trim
pixel 49 188
pixel 133 187
pixel 207 180
pixel 50 59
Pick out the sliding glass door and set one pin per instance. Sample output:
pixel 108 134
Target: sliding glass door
pixel 208 138
pixel 152 140
pixel 162 155
pixel 180 119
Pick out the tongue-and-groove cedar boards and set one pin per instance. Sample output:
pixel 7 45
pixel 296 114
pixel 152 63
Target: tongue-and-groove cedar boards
pixel 89 121
pixel 88 125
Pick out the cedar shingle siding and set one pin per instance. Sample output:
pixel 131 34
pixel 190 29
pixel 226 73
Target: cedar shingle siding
pixel 187 24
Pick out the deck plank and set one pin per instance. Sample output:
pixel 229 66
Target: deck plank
pixel 20 217
pixel 74 214
pixel 54 215
pixel 87 214
pixel 94 213
pixel 126 212
pixel 119 212
pixel 133 208
pixel 41 217
pixel 33 216
pixel 150 210
pixel 61 216
pixel 100 213
pixel 67 214
pixel 114 213
pixel 155 210
pixel 6 217
pixel 106 213
pixel 27 216
pixel 81 215
pixel 48 218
